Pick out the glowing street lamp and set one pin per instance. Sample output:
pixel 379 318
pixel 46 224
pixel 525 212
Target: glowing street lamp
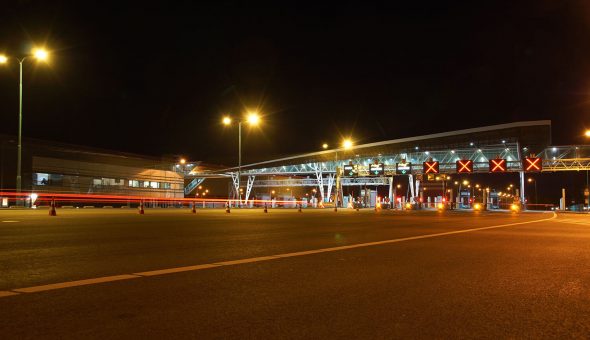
pixel 347 144
pixel 41 55
pixel 587 133
pixel 325 146
pixel 253 119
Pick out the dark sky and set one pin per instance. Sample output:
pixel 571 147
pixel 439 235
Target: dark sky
pixel 156 79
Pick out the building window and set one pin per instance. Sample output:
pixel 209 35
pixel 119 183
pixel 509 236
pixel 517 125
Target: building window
pixel 154 185
pixel 165 185
pixel 40 179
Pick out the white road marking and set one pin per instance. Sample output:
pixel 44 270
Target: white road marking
pixel 10 221
pixel 75 283
pixel 98 280
pixel 176 270
pixel 5 293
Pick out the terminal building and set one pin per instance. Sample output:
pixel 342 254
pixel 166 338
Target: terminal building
pixel 64 168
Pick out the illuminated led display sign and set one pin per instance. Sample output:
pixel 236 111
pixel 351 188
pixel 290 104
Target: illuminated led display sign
pixel 465 166
pixel 403 168
pixel 498 165
pixel 430 167
pixel 349 171
pixel 377 169
pixel 533 164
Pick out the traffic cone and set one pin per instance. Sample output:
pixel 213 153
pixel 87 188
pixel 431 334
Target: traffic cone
pixel 227 207
pixel 52 211
pixel 265 209
pixel 299 210
pixel 141 211
pixel 194 211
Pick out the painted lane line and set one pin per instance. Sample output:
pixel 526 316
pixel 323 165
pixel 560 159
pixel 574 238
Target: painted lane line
pixel 177 270
pixel 77 283
pixel 249 260
pixel 5 293
pixel 10 221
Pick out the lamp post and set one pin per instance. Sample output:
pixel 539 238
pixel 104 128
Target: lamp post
pixel 531 180
pixel 253 119
pixel 347 144
pixel 39 54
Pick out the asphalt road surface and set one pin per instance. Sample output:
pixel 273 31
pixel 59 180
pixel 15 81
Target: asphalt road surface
pixel 112 273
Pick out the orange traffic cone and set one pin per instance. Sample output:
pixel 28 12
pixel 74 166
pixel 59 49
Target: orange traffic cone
pixel 194 211
pixel 265 209
pixel 227 207
pixel 141 211
pixel 52 211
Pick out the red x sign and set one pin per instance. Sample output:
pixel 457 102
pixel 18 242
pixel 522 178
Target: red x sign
pixel 533 164
pixel 430 167
pixel 465 166
pixel 498 165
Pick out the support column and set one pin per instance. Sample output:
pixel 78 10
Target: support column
pixel 522 190
pixel 249 188
pixel 330 185
pixel 338 187
pixel 319 176
pixel 411 186
pixel 391 190
pixel 236 181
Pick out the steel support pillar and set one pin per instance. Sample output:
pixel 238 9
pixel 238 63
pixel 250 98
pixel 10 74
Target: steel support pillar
pixel 330 185
pixel 235 177
pixel 319 175
pixel 522 189
pixel 249 188
pixel 411 186
pixel 337 197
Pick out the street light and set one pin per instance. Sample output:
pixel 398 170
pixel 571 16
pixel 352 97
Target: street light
pixel 587 133
pixel 253 119
pixel 531 180
pixel 347 144
pixel 41 55
pixel 325 146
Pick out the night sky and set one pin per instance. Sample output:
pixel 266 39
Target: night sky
pixel 156 79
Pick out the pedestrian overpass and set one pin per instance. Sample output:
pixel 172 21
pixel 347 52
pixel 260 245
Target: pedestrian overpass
pixel 513 143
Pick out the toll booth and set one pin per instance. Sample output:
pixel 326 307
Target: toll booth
pixel 493 200
pixel 465 199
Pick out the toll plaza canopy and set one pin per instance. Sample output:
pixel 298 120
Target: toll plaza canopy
pixel 511 147
pixel 511 141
